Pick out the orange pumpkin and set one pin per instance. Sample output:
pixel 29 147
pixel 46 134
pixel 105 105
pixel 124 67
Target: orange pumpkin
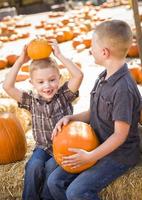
pixel 133 50
pixel 87 42
pixel 68 34
pixel 3 63
pixel 136 73
pixel 22 77
pixel 12 139
pixel 39 48
pixel 76 41
pixel 11 59
pixel 74 135
pixel 25 67
pixel 60 37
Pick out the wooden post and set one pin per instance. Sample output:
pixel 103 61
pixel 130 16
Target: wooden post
pixel 138 27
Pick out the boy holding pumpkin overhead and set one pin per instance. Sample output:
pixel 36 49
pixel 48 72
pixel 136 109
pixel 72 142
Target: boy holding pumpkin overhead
pixel 114 114
pixel 47 106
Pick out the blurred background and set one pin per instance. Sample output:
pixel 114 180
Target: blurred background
pixel 13 7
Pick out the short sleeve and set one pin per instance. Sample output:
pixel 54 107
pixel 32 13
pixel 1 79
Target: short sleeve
pixel 69 95
pixel 26 101
pixel 123 106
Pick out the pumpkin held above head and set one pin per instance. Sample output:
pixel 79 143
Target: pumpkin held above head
pixel 76 134
pixel 12 139
pixel 39 48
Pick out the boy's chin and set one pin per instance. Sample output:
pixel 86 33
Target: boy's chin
pixel 47 97
pixel 98 63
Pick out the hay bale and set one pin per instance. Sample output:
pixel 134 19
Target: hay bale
pixel 25 118
pixel 10 105
pixel 126 187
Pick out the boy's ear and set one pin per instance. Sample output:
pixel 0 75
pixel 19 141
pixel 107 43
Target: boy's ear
pixel 106 52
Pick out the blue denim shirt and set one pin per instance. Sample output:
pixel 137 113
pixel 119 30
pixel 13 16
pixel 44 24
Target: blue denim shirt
pixel 117 99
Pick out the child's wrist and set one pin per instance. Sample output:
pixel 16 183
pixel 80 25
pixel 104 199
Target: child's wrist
pixel 19 61
pixel 60 56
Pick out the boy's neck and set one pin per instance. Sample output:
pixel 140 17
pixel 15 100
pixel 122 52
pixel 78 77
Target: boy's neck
pixel 113 66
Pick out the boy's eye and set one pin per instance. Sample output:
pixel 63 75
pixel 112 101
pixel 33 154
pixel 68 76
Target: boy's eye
pixel 40 82
pixel 52 80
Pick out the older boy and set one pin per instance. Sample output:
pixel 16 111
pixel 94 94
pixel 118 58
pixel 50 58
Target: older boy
pixel 113 114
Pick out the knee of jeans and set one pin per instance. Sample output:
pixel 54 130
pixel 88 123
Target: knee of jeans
pixel 74 194
pixel 53 182
pixel 50 166
pixel 34 167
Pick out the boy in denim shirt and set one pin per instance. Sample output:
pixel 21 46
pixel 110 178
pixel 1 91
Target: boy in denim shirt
pixel 114 113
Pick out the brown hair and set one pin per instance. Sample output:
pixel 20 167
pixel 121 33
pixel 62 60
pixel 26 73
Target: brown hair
pixel 42 64
pixel 117 35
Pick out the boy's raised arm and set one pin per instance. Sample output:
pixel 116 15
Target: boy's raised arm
pixel 9 83
pixel 76 74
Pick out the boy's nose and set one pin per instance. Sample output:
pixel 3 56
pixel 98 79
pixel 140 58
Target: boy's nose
pixel 46 85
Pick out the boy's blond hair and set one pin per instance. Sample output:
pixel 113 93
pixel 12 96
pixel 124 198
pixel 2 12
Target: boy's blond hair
pixel 43 64
pixel 115 35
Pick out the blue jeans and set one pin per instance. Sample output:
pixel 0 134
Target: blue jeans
pixel 86 185
pixel 36 173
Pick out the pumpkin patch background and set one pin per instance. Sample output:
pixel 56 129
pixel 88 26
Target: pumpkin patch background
pixel 73 30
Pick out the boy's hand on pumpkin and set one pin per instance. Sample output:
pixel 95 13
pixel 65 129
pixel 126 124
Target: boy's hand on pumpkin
pixel 62 122
pixel 23 58
pixel 55 47
pixel 79 158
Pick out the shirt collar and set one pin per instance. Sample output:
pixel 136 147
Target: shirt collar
pixel 117 75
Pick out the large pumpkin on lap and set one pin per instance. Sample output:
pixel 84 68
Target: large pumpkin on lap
pixel 74 135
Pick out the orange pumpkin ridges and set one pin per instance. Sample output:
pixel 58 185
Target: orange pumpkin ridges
pixel 12 139
pixel 39 48
pixel 74 135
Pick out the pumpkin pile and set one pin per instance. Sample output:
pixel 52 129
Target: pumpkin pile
pixel 76 134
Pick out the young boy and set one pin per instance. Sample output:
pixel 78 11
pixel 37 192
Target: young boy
pixel 47 106
pixel 114 114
